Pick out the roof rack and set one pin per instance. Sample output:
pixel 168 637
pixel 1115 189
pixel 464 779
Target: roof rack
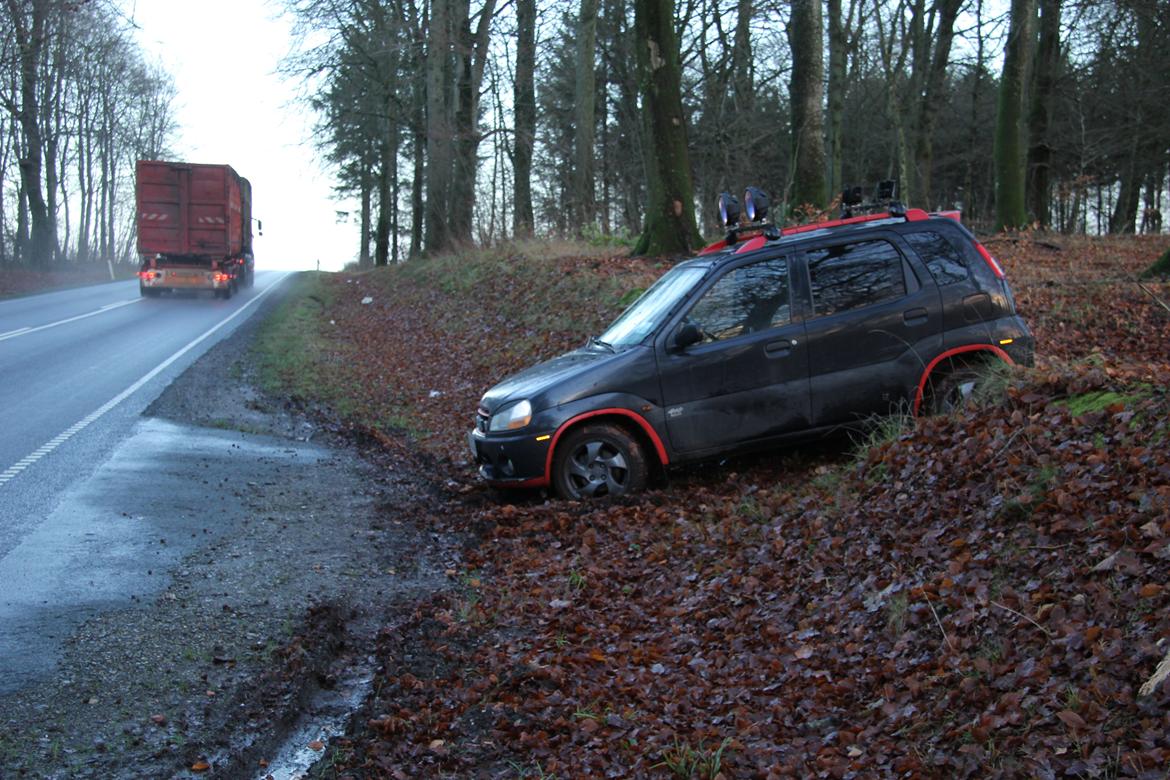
pixel 853 211
pixel 884 194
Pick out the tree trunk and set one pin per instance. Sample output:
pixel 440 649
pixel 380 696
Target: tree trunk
pixel 30 33
pixel 387 170
pixel 20 240
pixel 366 189
pixel 743 87
pixel 670 215
pixel 1124 215
pixel 1043 82
pixel 585 104
pixel 806 94
pixel 837 60
pixel 524 100
pixel 439 143
pixel 471 60
pixel 1010 161
pixel 928 105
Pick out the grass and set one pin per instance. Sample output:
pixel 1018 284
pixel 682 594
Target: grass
pixel 687 762
pixel 1080 405
pixel 881 431
pixel 490 312
pixel 896 612
pixel 292 354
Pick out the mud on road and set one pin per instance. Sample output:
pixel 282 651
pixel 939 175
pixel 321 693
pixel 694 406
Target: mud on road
pixel 271 552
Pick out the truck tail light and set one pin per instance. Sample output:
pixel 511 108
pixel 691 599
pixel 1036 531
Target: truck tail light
pixel 146 276
pixel 220 276
pixel 991 261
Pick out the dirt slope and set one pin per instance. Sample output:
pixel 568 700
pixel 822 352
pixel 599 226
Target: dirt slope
pixel 981 595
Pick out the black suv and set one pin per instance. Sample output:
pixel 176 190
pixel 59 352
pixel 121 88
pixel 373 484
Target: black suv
pixel 760 339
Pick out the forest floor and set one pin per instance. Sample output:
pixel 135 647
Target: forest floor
pixel 976 595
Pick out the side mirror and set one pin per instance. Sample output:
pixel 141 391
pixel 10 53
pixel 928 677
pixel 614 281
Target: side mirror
pixel 687 334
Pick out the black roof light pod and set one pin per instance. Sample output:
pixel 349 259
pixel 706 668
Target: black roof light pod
pixel 756 202
pixel 728 210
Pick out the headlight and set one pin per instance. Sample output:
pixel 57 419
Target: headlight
pixel 515 416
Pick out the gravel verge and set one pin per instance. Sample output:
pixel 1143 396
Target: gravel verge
pixel 305 551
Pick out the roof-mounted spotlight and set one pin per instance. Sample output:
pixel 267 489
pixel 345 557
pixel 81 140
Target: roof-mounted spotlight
pixel 755 204
pixel 886 189
pixel 728 210
pixel 850 197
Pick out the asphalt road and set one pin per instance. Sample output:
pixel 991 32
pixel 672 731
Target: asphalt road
pixel 77 368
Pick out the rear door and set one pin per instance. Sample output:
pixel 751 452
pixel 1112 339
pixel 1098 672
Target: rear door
pixel 873 327
pixel 748 378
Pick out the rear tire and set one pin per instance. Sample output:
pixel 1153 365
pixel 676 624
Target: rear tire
pixel 955 390
pixel 598 461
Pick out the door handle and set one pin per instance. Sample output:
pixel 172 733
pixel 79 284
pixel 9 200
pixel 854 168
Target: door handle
pixel 915 316
pixel 779 348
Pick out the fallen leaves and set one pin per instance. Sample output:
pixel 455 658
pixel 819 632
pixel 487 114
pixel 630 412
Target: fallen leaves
pixel 980 595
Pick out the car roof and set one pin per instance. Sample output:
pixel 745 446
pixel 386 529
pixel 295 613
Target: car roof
pixel 770 237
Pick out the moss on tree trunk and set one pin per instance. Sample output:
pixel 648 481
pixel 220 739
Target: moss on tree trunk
pixel 670 211
pixel 1160 267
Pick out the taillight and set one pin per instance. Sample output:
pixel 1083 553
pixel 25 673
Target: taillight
pixel 221 277
pixel 991 261
pixel 146 276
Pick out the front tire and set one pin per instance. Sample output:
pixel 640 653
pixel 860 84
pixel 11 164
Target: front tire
pixel 598 461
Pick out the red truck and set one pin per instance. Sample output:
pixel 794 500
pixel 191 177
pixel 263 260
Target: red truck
pixel 194 228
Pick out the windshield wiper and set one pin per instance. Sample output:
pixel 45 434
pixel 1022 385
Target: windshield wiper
pixel 596 342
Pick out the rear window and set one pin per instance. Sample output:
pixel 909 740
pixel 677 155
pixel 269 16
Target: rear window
pixel 852 276
pixel 945 262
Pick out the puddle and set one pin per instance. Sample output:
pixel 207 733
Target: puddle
pixel 325 717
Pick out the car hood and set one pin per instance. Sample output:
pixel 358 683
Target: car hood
pixel 535 383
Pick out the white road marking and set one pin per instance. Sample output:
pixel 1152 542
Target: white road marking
pixel 12 471
pixel 24 331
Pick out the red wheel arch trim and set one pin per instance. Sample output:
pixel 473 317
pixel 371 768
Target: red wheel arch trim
pixel 655 439
pixel 999 353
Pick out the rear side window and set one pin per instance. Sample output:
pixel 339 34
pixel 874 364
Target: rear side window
pixel 746 300
pixel 852 276
pixel 945 262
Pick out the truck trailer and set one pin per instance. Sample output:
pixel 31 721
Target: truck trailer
pixel 194 228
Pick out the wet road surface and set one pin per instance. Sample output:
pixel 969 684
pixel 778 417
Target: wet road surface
pixel 77 368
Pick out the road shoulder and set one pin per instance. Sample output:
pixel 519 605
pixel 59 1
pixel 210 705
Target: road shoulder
pixel 265 554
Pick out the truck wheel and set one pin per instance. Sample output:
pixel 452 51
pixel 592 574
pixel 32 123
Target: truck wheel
pixel 597 461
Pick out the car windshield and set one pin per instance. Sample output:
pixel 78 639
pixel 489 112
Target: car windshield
pixel 647 313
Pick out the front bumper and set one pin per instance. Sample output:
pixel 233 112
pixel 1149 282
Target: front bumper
pixel 515 460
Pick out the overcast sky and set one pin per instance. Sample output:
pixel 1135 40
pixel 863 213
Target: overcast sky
pixel 233 108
